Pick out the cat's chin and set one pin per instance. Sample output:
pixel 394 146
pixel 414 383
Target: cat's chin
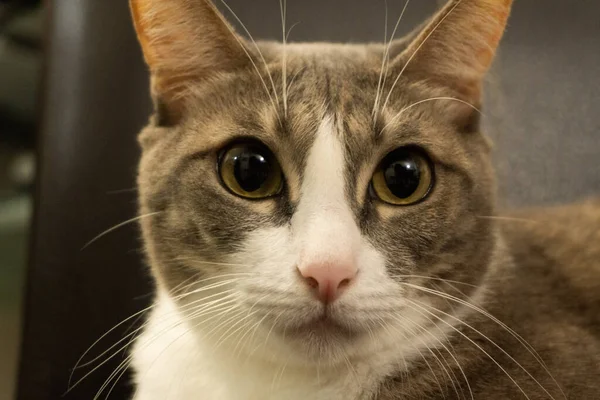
pixel 325 327
pixel 323 339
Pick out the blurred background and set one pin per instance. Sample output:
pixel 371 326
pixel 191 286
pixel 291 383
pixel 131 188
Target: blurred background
pixel 21 58
pixel 73 95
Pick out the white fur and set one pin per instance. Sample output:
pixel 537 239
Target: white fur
pixel 183 358
pixel 323 224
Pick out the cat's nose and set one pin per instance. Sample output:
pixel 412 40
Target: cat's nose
pixel 327 280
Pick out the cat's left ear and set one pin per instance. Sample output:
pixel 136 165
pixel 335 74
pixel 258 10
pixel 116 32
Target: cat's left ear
pixel 184 42
pixel 457 47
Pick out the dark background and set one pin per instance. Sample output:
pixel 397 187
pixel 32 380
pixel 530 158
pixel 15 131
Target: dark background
pixel 542 114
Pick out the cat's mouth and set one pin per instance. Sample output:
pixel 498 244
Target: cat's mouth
pixel 323 326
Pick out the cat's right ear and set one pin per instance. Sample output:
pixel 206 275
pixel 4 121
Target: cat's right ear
pixel 184 42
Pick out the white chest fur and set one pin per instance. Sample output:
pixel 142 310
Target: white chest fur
pixel 171 362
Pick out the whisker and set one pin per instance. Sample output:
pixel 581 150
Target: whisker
pixel 437 279
pixel 123 339
pixel 264 345
pixel 200 310
pixel 371 333
pixel 180 336
pixel 248 315
pixel 252 329
pixel 180 291
pixel 509 219
pixel 493 343
pixel 185 284
pixel 448 302
pixel 395 117
pixel 209 287
pixel 276 102
pixel 119 225
pixel 384 324
pixel 385 62
pixel 239 312
pixel 283 9
pixel 219 309
pixel 116 380
pixel 282 371
pixel 387 65
pixel 483 312
pixel 349 365
pixel 133 333
pixel 226 335
pixel 319 371
pixel 204 262
pixel 122 348
pixel 447 350
pixel 473 343
pixel 422 356
pixel 127 360
pixel 452 378
pixel 78 363
pixel 387 99
pixel 287 36
pixel 294 78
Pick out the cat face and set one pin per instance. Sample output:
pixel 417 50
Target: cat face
pixel 300 202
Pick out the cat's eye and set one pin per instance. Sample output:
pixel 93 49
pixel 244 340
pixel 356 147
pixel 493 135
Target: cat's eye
pixel 250 170
pixel 404 177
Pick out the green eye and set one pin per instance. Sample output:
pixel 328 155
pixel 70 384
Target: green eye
pixel 251 171
pixel 404 177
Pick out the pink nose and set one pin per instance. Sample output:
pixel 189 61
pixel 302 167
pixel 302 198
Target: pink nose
pixel 327 280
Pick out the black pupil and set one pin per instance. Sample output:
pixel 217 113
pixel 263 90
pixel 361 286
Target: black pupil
pixel 402 175
pixel 251 170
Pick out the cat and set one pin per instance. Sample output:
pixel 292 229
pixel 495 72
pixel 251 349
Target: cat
pixel 320 220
